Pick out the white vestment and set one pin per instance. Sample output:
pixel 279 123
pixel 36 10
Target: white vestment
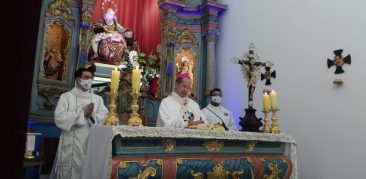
pixel 219 114
pixel 69 116
pixel 175 112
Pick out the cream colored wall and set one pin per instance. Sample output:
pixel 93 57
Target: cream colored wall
pixel 298 36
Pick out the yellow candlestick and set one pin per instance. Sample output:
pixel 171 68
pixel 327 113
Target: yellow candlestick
pixel 136 74
pixel 115 79
pixel 273 95
pixel 265 101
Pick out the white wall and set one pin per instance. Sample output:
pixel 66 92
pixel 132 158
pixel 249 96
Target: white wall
pixel 298 36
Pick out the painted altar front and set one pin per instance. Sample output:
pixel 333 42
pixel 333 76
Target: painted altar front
pixel 154 152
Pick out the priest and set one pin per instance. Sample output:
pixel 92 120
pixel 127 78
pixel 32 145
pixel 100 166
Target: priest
pixel 178 110
pixel 76 111
pixel 216 114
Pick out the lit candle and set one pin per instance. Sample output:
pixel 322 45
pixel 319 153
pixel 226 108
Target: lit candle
pixel 115 80
pixel 136 74
pixel 265 101
pixel 273 95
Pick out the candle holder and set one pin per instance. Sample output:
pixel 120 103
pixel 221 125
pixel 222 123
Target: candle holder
pixel 275 129
pixel 112 116
pixel 266 126
pixel 135 119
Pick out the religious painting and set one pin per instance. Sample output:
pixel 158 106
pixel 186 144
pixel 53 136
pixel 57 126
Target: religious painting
pixel 54 63
pixel 186 63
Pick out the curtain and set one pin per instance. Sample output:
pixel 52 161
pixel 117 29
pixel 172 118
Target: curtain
pixel 141 16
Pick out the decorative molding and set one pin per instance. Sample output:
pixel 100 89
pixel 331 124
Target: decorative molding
pixel 60 8
pixel 213 145
pixel 187 37
pixel 169 145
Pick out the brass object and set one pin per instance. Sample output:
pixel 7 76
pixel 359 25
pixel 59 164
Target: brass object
pixel 218 172
pixel 135 119
pixel 122 164
pixel 275 129
pixel 169 145
pixel 274 171
pixel 251 145
pixel 213 145
pixel 179 161
pixel 197 175
pixel 148 172
pixel 112 116
pixel 338 60
pixel 60 8
pixel 338 82
pixel 29 155
pixel 266 126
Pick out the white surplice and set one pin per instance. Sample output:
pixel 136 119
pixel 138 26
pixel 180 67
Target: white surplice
pixel 69 117
pixel 175 112
pixel 219 114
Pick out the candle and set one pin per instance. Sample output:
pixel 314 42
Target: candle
pixel 136 74
pixel 115 79
pixel 265 101
pixel 273 95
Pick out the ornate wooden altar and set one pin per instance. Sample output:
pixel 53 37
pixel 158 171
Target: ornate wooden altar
pixel 154 152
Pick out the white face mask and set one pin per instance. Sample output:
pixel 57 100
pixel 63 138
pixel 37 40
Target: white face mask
pixel 86 84
pixel 216 99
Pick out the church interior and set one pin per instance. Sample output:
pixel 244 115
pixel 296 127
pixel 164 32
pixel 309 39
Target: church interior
pixel 260 54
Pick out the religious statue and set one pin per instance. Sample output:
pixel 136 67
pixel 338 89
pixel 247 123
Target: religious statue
pixel 53 65
pixel 186 67
pixel 110 40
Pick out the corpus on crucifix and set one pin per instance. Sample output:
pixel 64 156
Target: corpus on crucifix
pixel 251 66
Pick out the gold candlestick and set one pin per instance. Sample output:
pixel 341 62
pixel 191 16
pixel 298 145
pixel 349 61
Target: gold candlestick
pixel 135 117
pixel 112 116
pixel 275 129
pixel 266 126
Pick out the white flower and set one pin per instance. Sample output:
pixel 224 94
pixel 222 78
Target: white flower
pixel 122 66
pixel 133 56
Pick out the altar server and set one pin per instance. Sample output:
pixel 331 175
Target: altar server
pixel 76 111
pixel 216 114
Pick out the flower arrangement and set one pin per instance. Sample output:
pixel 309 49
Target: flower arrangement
pixel 149 66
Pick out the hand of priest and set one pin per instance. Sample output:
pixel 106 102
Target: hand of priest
pixel 88 110
pixel 191 122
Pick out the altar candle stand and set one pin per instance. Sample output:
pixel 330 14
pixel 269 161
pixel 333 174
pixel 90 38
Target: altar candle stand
pixel 135 119
pixel 266 126
pixel 112 116
pixel 274 108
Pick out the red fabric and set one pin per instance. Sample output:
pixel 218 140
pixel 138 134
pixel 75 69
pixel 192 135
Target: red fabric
pixel 141 16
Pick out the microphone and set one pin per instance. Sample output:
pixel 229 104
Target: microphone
pixel 192 96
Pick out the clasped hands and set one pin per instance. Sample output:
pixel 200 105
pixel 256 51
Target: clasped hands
pixel 88 110
pixel 191 122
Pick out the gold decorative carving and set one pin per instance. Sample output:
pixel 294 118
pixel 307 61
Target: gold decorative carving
pixel 50 93
pixel 60 8
pixel 149 171
pixel 197 175
pixel 159 162
pixel 251 145
pixel 187 37
pixel 236 174
pixel 169 144
pixel 179 161
pixel 218 172
pixel 122 164
pixel 213 145
pixel 274 171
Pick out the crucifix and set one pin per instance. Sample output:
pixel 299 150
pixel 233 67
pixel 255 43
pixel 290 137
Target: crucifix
pixel 251 66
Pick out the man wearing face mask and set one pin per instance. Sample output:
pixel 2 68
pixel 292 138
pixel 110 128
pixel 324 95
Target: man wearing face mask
pixel 76 111
pixel 216 114
pixel 178 110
